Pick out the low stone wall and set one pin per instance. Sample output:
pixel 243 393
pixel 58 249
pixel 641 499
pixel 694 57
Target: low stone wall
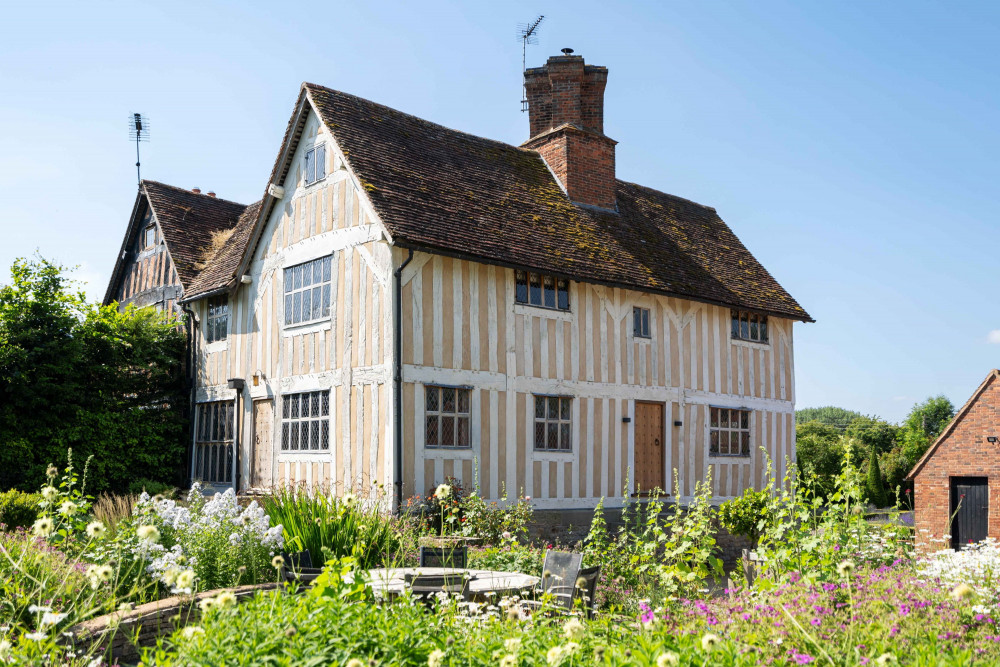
pixel 569 527
pixel 123 634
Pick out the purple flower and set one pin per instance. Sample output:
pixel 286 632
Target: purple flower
pixel 647 613
pixel 802 658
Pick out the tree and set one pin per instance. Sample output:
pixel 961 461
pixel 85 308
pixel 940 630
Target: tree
pixel 819 453
pixel 874 486
pixel 72 375
pixel 829 415
pixel 871 432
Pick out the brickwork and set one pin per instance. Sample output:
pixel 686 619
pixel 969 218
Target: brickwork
pixel 961 451
pixel 566 118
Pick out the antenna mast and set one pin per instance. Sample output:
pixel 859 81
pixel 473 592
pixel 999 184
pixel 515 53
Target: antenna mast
pixel 138 129
pixel 527 33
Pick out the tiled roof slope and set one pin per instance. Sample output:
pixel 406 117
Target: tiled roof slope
pixel 447 191
pixel 187 221
pixel 221 266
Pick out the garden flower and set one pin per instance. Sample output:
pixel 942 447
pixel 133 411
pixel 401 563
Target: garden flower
pixel 508 660
pixel 148 533
pixel 845 568
pixel 961 591
pixel 225 600
pixel 35 636
pixel 436 658
pixel 512 645
pixel 49 493
pixel 43 527
pixel 125 606
pixel 668 659
pixel 206 604
pixel 354 662
pixel 185 579
pixel 192 631
pixel 885 659
pixel 443 492
pixel 169 576
pixel 50 618
pixel 573 629
pixel 709 641
pixel 68 508
pixel 37 609
pixel 5 647
pixel 349 499
pixel 505 535
pixel 95 530
pixel 554 655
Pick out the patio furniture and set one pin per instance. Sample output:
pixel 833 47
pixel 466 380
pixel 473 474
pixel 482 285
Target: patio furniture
pixel 482 585
pixel 299 567
pixel 443 557
pixel 427 585
pixel 586 589
pixel 560 572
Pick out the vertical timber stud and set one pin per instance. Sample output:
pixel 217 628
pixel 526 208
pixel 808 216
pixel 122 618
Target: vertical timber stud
pixel 397 381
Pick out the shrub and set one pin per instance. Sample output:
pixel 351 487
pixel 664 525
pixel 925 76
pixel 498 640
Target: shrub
pixel 495 522
pixel 331 527
pixel 18 509
pixel 508 557
pixel 745 515
pixel 874 487
pixel 152 487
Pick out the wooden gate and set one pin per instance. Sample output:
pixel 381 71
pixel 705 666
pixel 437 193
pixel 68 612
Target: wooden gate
pixel 263 427
pixel 649 461
pixel 970 507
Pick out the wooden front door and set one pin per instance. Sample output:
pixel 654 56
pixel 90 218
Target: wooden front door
pixel 649 472
pixel 263 427
pixel 970 507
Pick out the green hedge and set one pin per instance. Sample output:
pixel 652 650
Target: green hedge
pixel 18 509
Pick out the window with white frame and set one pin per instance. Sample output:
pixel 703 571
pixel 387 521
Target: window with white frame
pixel 640 322
pixel 315 164
pixel 537 289
pixel 729 432
pixel 748 326
pixel 214 442
pixel 552 423
pixel 217 322
pixel 446 421
pixel 307 291
pixel 149 237
pixel 305 422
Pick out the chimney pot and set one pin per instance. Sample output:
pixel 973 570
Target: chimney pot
pixel 197 191
pixel 567 52
pixel 210 193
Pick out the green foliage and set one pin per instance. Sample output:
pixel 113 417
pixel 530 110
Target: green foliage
pixel 152 487
pixel 331 527
pixel 829 415
pixel 930 417
pixel 874 487
pixel 871 432
pixel 106 383
pixel 18 509
pixel 495 522
pixel 508 557
pixel 745 515
pixel 819 453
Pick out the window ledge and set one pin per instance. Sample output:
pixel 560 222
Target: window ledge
pixel 459 453
pixel 551 454
pixel 303 452
pixel 217 346
pixel 715 458
pixel 306 327
pixel 642 339
pixel 749 343
pixel 542 311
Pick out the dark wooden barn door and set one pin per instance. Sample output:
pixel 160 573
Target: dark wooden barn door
pixel 649 464
pixel 970 506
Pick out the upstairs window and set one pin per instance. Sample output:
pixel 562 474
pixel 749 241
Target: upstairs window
pixel 537 289
pixel 315 164
pixel 307 291
pixel 149 237
pixel 446 415
pixel 640 322
pixel 217 324
pixel 749 326
pixel 305 422
pixel 552 423
pixel 729 432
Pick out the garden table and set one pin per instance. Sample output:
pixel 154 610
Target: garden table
pixel 390 582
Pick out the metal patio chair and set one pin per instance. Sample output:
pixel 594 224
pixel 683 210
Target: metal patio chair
pixel 456 557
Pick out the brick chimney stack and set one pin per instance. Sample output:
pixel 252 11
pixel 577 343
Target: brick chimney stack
pixel 566 115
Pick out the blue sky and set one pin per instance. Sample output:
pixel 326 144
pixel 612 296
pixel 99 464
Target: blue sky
pixel 851 145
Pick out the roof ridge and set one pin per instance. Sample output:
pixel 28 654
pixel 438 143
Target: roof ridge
pixel 666 194
pixel 190 192
pixel 418 118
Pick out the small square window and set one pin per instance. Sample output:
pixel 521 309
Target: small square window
pixel 315 164
pixel 149 237
pixel 552 423
pixel 748 326
pixel 544 291
pixel 729 432
pixel 217 322
pixel 640 322
pixel 446 417
pixel 306 421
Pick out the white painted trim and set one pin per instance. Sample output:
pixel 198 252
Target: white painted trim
pixel 323 244
pixel 456 454
pixel 753 345
pixel 539 311
pixel 218 392
pixel 217 346
pixel 313 382
pixel 301 328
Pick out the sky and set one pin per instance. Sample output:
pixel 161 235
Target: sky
pixel 852 146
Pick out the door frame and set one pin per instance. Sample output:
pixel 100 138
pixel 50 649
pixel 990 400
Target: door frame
pixel 953 510
pixel 663 445
pixel 255 483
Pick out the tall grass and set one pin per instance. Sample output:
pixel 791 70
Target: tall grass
pixel 113 510
pixel 336 527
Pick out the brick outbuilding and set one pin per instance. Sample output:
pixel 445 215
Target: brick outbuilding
pixel 956 485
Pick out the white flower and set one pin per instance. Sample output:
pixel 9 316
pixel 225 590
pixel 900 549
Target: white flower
pixel 50 493
pixel 50 618
pixel 885 659
pixel 192 631
pixel 354 662
pixel 225 600
pixel 125 606
pixel 185 580
pixel 35 609
pixel 169 576
pixel 709 641
pixel 436 658
pixel 43 527
pixel 961 591
pixel 148 533
pixel 508 660
pixel 95 530
pixel 443 492
pixel 5 648
pixel 573 629
pixel 505 535
pixel 35 636
pixel 668 659
pixel 512 645
pixel 206 604
pixel 349 499
pixel 277 562
pixel 68 508
pixel 845 568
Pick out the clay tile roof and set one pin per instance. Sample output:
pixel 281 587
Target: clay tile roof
pixel 221 266
pixel 188 221
pixel 445 191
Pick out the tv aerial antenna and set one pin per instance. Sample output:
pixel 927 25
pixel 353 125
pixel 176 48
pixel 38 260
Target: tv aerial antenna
pixel 138 131
pixel 527 33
